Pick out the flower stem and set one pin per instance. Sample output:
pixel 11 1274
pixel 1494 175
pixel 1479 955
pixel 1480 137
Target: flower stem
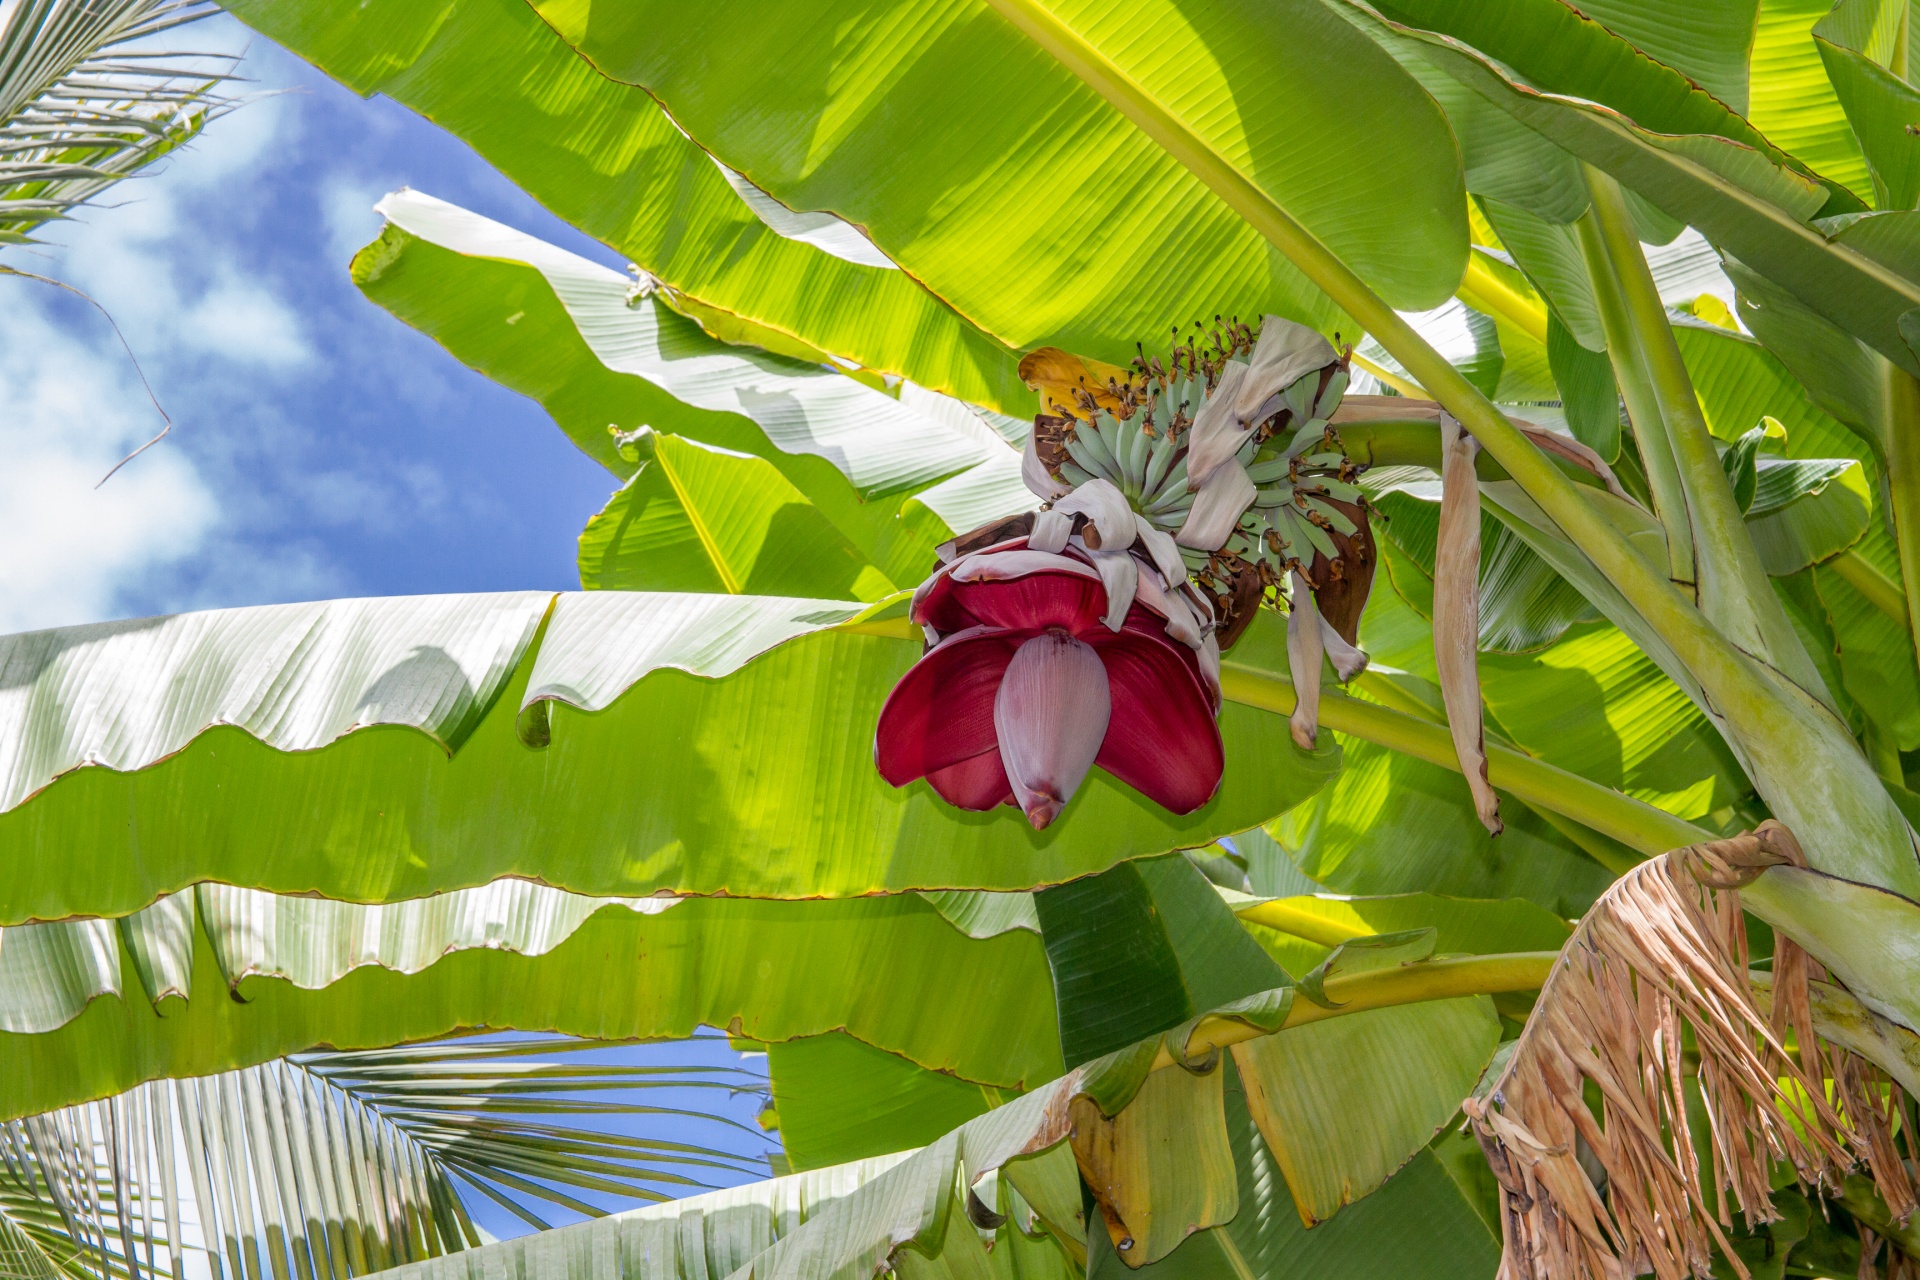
pixel 1632 822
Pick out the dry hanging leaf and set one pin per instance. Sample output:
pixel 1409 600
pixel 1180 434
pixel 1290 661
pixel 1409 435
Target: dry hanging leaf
pixel 1662 958
pixel 1306 646
pixel 1456 613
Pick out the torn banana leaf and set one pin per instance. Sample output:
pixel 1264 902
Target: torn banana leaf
pixel 217 978
pixel 894 476
pixel 401 747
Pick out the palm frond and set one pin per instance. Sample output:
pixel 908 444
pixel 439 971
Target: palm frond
pixel 328 1165
pixel 83 104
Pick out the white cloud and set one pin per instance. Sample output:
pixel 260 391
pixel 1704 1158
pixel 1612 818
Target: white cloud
pixel 246 324
pixel 69 552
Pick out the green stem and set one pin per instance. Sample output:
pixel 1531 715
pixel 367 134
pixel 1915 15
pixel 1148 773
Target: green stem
pixel 1381 989
pixel 1903 481
pixel 1863 1201
pixel 1634 823
pixel 1413 440
pixel 1882 592
pixel 1643 403
pixel 1734 591
pixel 1883 752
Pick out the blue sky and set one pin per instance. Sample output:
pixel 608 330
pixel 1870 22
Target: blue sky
pixel 320 447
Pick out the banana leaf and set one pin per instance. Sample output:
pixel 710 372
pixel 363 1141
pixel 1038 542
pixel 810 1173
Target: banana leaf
pixel 220 978
pixel 396 748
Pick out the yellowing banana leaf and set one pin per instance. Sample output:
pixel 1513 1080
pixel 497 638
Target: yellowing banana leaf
pixel 1397 1075
pixel 969 198
pixel 253 976
pixel 128 736
pixel 606 158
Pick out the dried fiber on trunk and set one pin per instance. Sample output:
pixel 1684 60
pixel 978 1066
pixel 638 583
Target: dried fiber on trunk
pixel 1661 959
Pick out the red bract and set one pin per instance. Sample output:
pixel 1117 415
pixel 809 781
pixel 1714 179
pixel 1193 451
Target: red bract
pixel 1026 688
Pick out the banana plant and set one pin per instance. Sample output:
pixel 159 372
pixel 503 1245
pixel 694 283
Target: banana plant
pixel 928 309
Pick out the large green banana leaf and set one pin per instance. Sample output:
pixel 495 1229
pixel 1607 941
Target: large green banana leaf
pixel 1859 273
pixel 624 775
pixel 838 1099
pixel 1677 68
pixel 982 175
pixel 1140 949
pixel 875 442
pixel 1857 44
pixel 699 518
pixel 92 1008
pixel 606 157
pixel 1790 98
